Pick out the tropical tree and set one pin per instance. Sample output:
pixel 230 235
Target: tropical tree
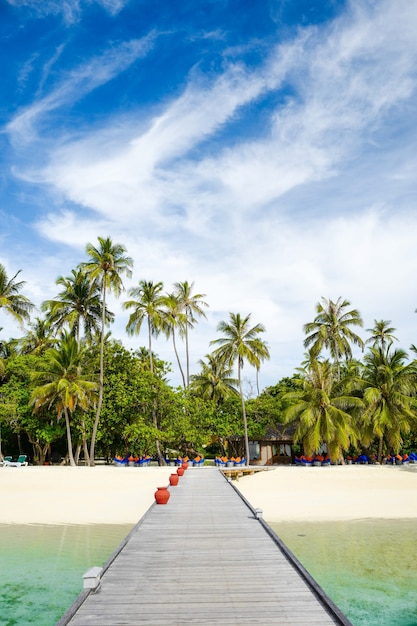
pixel 11 300
pixel 214 382
pixel 146 304
pixel 320 412
pixel 107 263
pixel 331 329
pixel 388 386
pixel 191 304
pixel 382 334
pixel 241 343
pixel 173 319
pixel 77 305
pixel 39 338
pixel 61 384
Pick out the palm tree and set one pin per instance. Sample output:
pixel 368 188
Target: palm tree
pixel 330 329
pixel 215 381
pixel 62 385
pixel 79 303
pixel 39 338
pixel 173 318
pixel 147 304
pixel 107 264
pixel 382 334
pixel 241 343
pixel 191 304
pixel 10 299
pixel 263 354
pixel 388 391
pixel 320 413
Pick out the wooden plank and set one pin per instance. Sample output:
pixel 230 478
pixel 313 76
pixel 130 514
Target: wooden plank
pixel 201 558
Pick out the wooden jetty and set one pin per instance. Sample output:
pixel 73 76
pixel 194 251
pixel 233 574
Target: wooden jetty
pixel 206 557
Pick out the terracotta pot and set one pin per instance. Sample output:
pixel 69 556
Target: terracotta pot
pixel 180 471
pixel 173 480
pixel 162 495
pixel 184 465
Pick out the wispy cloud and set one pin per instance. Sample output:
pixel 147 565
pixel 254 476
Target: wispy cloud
pixel 317 201
pixel 75 85
pixel 71 10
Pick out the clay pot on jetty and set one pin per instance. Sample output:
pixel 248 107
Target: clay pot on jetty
pixel 173 480
pixel 180 471
pixel 162 495
pixel 184 465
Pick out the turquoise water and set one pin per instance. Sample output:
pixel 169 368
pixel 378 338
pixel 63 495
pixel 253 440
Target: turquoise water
pixel 41 568
pixel 368 567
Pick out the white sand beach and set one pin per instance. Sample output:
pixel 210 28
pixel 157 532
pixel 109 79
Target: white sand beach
pixel 78 495
pixel 347 492
pixel 111 495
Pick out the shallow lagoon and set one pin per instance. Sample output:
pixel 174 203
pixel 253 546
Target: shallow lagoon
pixel 367 567
pixel 42 568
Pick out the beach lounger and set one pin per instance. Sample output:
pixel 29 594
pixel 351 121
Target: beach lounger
pixel 6 459
pixel 21 461
pixel 121 462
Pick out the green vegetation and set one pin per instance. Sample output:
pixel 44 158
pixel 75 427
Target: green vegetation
pixel 69 388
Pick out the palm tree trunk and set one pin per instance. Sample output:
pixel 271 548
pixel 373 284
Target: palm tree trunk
pixel 245 423
pixel 150 345
pixel 101 381
pixel 381 442
pixel 69 439
pixel 187 355
pixel 178 358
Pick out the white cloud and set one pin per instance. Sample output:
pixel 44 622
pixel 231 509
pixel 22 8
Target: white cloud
pixel 71 10
pixel 319 203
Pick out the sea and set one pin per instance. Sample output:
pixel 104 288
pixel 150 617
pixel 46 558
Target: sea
pixel 367 567
pixel 41 567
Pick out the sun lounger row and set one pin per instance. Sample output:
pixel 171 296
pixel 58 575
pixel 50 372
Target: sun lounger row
pixel 309 461
pixel 145 461
pixel 224 461
pixel 20 462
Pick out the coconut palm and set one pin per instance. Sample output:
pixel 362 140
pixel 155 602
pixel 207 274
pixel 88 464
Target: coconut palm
pixel 39 338
pixel 108 262
pixel 78 304
pixel 319 411
pixel 191 304
pixel 241 343
pixel 382 334
pixel 388 391
pixel 214 381
pixel 61 384
pixel 147 304
pixel 331 329
pixel 11 300
pixel 173 319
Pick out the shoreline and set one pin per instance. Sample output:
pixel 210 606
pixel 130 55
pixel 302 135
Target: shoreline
pixel 112 495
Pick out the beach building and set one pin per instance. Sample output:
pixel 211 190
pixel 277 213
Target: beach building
pixel 273 447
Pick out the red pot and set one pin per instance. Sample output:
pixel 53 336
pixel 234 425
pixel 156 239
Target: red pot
pixel 184 465
pixel 162 495
pixel 173 480
pixel 180 471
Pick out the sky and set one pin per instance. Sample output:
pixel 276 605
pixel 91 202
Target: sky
pixel 265 151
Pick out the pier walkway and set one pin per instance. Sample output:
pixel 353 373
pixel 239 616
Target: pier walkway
pixel 203 558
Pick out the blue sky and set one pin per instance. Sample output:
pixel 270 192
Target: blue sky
pixel 264 150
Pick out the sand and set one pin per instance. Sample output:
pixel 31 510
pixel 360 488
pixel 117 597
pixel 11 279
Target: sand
pixel 121 495
pixel 78 495
pixel 333 493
